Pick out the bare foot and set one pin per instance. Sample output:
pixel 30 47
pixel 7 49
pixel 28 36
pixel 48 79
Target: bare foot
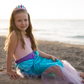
pixel 81 74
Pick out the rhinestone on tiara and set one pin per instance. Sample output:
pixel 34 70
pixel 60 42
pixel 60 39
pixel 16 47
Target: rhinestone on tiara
pixel 20 7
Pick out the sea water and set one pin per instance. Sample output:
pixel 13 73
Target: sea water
pixel 67 31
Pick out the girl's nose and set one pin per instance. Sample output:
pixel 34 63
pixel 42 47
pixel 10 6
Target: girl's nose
pixel 23 22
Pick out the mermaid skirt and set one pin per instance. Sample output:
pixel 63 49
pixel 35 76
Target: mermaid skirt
pixel 58 72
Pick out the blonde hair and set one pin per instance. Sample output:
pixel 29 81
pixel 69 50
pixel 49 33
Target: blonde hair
pixel 12 27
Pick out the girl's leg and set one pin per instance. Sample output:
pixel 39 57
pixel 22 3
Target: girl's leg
pixel 56 70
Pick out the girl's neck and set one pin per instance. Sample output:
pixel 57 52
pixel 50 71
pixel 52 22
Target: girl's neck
pixel 23 34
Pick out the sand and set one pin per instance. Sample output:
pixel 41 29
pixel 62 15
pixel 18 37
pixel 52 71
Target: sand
pixel 74 54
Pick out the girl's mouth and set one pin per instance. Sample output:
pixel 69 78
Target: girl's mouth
pixel 23 26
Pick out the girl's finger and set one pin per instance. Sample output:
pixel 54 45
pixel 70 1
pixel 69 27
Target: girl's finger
pixel 14 76
pixel 10 77
pixel 17 76
pixel 54 60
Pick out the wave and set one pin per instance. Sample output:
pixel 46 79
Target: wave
pixel 81 37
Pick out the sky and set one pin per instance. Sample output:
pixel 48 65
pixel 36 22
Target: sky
pixel 45 9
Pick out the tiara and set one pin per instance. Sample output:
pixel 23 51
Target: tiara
pixel 20 7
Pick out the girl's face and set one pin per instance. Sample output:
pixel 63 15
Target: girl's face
pixel 21 21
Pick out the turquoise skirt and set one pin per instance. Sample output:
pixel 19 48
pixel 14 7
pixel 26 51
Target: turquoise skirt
pixel 36 66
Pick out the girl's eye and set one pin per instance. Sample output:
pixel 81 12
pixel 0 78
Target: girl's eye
pixel 19 20
pixel 25 20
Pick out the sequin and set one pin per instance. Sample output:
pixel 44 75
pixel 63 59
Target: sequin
pixel 37 65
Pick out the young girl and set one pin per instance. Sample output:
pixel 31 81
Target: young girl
pixel 30 61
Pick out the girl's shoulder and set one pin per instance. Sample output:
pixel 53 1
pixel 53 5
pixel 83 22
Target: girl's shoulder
pixel 13 35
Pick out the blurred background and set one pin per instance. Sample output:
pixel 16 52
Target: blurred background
pixel 52 20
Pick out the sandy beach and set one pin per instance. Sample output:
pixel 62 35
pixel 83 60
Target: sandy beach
pixel 74 54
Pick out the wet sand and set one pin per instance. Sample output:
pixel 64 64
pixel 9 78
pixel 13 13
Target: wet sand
pixel 74 54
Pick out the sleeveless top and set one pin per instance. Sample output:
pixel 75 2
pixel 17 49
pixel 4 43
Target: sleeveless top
pixel 20 52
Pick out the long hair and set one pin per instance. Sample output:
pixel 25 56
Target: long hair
pixel 29 30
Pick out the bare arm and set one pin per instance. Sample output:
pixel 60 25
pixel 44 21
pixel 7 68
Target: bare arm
pixel 44 55
pixel 11 49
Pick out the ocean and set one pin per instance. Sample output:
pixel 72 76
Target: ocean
pixel 66 31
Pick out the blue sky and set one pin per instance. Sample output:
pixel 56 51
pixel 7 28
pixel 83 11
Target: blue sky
pixel 45 9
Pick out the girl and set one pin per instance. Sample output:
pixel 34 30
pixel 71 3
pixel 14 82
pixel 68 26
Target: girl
pixel 30 61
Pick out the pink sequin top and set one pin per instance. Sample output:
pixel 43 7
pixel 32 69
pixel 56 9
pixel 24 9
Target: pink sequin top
pixel 20 52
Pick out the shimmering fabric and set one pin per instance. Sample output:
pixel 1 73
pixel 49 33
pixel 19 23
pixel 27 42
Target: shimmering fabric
pixel 69 75
pixel 50 72
pixel 38 65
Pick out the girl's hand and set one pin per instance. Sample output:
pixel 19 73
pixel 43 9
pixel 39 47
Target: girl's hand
pixel 13 74
pixel 53 58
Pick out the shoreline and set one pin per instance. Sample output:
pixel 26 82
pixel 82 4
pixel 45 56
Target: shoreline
pixel 68 41
pixel 74 54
